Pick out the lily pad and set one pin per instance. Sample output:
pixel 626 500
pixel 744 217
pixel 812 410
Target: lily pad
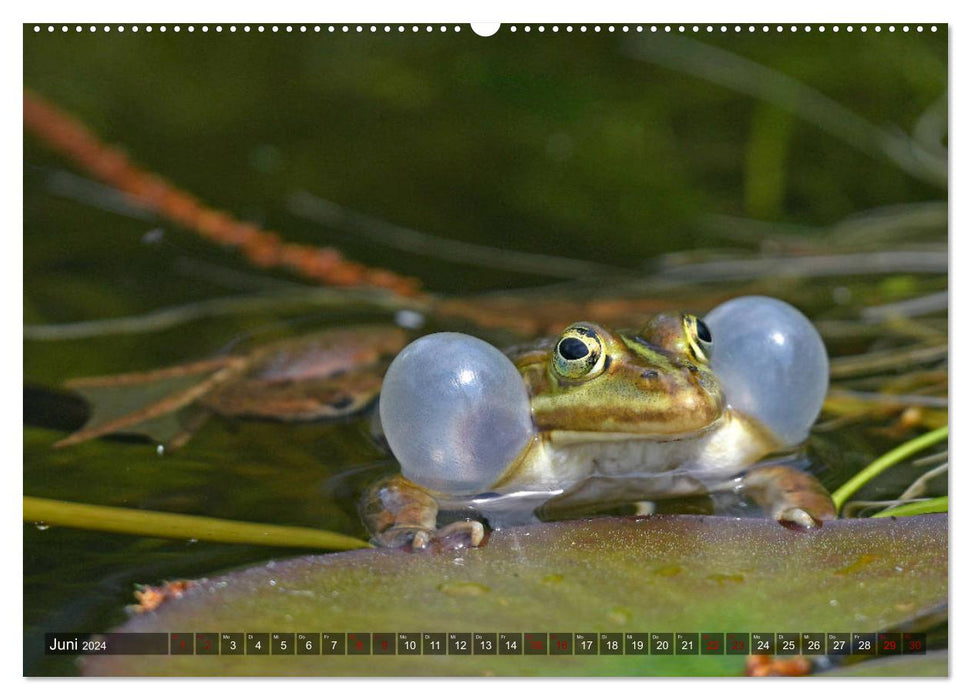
pixel 934 664
pixel 656 574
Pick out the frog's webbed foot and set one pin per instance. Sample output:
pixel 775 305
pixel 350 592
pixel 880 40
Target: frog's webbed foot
pixel 399 513
pixel 462 533
pixel 457 535
pixel 403 537
pixel 789 495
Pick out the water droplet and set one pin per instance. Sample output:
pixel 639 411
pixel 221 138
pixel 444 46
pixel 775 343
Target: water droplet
pixel 272 581
pixel 463 588
pixel 160 450
pixel 192 540
pixel 154 236
pixel 406 318
pixel 40 525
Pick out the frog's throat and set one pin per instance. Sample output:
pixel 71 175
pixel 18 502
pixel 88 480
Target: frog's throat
pixel 559 458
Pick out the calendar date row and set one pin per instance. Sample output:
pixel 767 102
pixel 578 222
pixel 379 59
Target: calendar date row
pixel 489 643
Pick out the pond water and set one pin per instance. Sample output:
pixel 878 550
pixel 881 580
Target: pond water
pixel 619 150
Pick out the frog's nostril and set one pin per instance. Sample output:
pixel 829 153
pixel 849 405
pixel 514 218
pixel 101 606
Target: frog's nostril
pixel 649 374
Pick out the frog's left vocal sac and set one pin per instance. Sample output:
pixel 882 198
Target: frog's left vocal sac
pixel 597 418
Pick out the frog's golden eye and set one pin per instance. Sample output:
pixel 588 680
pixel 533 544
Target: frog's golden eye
pixel 579 353
pixel 699 337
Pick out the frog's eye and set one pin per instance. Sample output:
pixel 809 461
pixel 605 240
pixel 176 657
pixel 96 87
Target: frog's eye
pixel 579 353
pixel 699 337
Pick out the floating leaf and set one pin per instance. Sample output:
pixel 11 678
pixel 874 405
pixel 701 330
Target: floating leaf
pixel 657 574
pixel 932 664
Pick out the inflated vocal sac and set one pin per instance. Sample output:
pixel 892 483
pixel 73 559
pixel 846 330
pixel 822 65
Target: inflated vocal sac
pixel 455 412
pixel 771 363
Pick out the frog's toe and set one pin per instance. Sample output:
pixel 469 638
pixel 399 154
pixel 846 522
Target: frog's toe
pixel 793 497
pixel 414 538
pixel 457 535
pixel 421 540
pixel 797 517
pixel 463 533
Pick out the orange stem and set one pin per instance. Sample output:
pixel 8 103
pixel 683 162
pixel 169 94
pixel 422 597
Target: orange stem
pixel 72 139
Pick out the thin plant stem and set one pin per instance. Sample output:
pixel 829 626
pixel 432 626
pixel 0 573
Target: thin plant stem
pixel 886 461
pixel 931 505
pixel 181 527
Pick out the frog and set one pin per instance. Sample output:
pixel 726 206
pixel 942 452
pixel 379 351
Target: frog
pixel 605 418
pixel 617 418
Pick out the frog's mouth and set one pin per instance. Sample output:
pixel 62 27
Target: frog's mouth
pixel 562 438
pixel 630 408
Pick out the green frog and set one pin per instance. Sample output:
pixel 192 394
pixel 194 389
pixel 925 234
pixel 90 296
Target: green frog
pixel 583 421
pixel 614 418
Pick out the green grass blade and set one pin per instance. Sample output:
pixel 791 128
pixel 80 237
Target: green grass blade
pixel 931 505
pixel 181 527
pixel 886 461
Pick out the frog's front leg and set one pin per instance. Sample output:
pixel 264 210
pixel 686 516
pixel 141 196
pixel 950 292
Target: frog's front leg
pixel 789 495
pixel 398 513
